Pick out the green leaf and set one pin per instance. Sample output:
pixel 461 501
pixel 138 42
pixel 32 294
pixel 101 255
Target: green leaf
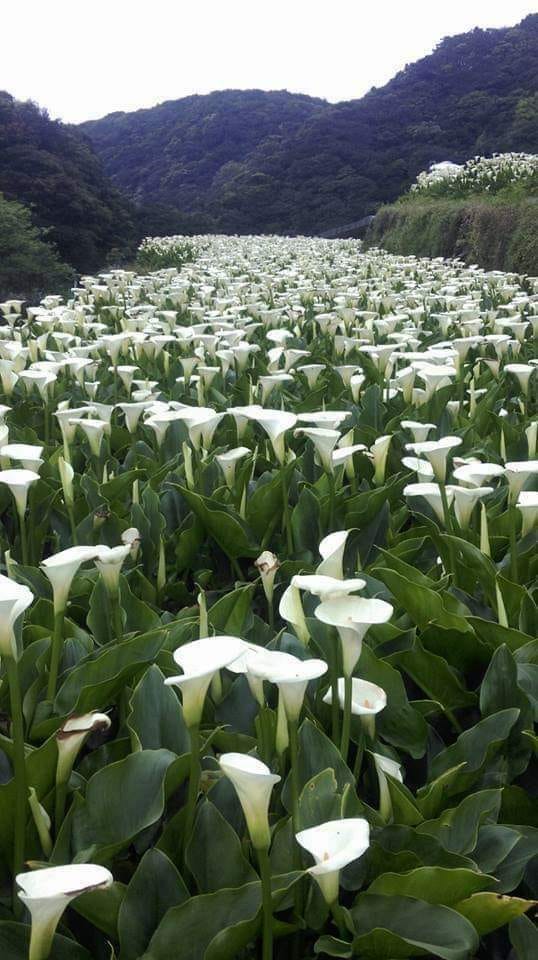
pixel 155 888
pixel 15 941
pixel 398 926
pixel 121 800
pixel 432 884
pixel 213 926
pixel 222 523
pixel 399 723
pixel 214 855
pixel 524 938
pixel 457 828
pixel 232 613
pixel 423 605
pixel 156 718
pixel 319 800
pixel 489 911
pixel 101 907
pixel 434 676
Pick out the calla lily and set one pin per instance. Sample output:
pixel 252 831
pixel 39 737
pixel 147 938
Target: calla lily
pixel 267 564
pixel 291 609
pixel 527 504
pixel 331 550
pixel 228 462
pixel 474 474
pixel 379 453
pixel 67 475
pixel 200 660
pixel 109 561
pixel 523 373
pixel 46 893
pixel 290 674
pixel 71 737
pixel 436 452
pixel 94 431
pixel 253 782
pixel 367 699
pixel 432 494
pixel 327 588
pixel 324 443
pixel 516 472
pixel 276 423
pixel 465 500
pixel 25 453
pixel 352 617
pixel 19 482
pixel 14 600
pixel 131 538
pixel 420 431
pixel 334 845
pixel 60 570
pixel 384 767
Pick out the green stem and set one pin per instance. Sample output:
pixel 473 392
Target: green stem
pixel 332 498
pixel 513 544
pixel 346 724
pixel 24 539
pixel 116 616
pixel 338 917
pixel 286 512
pixel 265 875
pixel 335 702
pixel 55 654
pixel 194 783
pixel 294 770
pixel 358 756
pixel 72 525
pixel 19 765
pixel 59 806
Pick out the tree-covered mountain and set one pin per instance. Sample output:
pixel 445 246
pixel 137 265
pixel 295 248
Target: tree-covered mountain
pixel 51 169
pixel 260 162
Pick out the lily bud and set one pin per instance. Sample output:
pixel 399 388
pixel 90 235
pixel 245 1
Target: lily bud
pixel 385 766
pixel 72 736
pixel 267 564
pixel 67 475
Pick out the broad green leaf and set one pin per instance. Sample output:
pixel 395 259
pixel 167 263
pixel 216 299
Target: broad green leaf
pixel 214 855
pixel 489 911
pixel 432 884
pixel 155 888
pixel 225 526
pixel 396 926
pixel 457 828
pixel 15 941
pixel 156 718
pixel 524 938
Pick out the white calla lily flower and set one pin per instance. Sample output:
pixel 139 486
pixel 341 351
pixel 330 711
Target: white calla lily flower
pixel 200 660
pixel 353 617
pixel 331 550
pixel 253 783
pixel 14 600
pixel 61 568
pixel 334 845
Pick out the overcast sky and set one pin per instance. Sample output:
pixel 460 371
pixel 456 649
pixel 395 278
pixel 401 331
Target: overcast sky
pixel 82 60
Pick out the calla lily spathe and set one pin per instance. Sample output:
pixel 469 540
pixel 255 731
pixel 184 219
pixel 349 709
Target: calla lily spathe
pixel 334 845
pixel 46 894
pixel 15 598
pixel 253 782
pixel 200 660
pixel 61 568
pixel 353 617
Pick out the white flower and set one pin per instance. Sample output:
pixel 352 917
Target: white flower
pixel 516 472
pixel 290 674
pixel 367 698
pixel 331 550
pixel 60 570
pixel 46 893
pixel 253 782
pixel 432 494
pixel 200 660
pixel 465 500
pixel 267 564
pixel 436 452
pixel 352 617
pixel 386 767
pixel 379 452
pixel 420 431
pixel 333 845
pixel 19 482
pixel 324 443
pixel 14 599
pixel 228 462
pixel 527 504
pixel 290 608
pixel 26 453
pixel 71 736
pixel 109 561
pixel 276 423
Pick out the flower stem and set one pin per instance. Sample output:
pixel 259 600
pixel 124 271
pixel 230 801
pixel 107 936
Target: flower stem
pixel 55 654
pixel 286 513
pixel 19 765
pixel 338 917
pixel 513 544
pixel 294 770
pixel 265 875
pixel 332 500
pixel 24 539
pixel 59 806
pixel 346 723
pixel 194 783
pixel 335 704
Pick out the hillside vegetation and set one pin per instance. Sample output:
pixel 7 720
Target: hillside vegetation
pixel 29 266
pixel 53 171
pixel 249 161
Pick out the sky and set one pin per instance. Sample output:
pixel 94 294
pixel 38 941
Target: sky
pixel 82 60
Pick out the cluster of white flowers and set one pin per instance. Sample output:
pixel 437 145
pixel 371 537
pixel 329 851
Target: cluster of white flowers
pixel 478 175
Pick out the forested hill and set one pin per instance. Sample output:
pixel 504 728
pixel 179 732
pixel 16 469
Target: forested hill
pixel 51 169
pixel 250 161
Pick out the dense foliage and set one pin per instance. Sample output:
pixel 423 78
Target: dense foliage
pixel 269 606
pixel 52 169
pixel 499 234
pixel 29 266
pixel 248 161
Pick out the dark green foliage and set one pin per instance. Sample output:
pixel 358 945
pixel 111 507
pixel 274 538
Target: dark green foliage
pixel 29 267
pixel 52 169
pixel 249 161
pixel 497 234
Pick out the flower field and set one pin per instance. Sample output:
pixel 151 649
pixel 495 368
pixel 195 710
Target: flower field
pixel 269 608
pixel 480 175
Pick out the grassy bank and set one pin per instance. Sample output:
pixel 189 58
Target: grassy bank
pixel 496 234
